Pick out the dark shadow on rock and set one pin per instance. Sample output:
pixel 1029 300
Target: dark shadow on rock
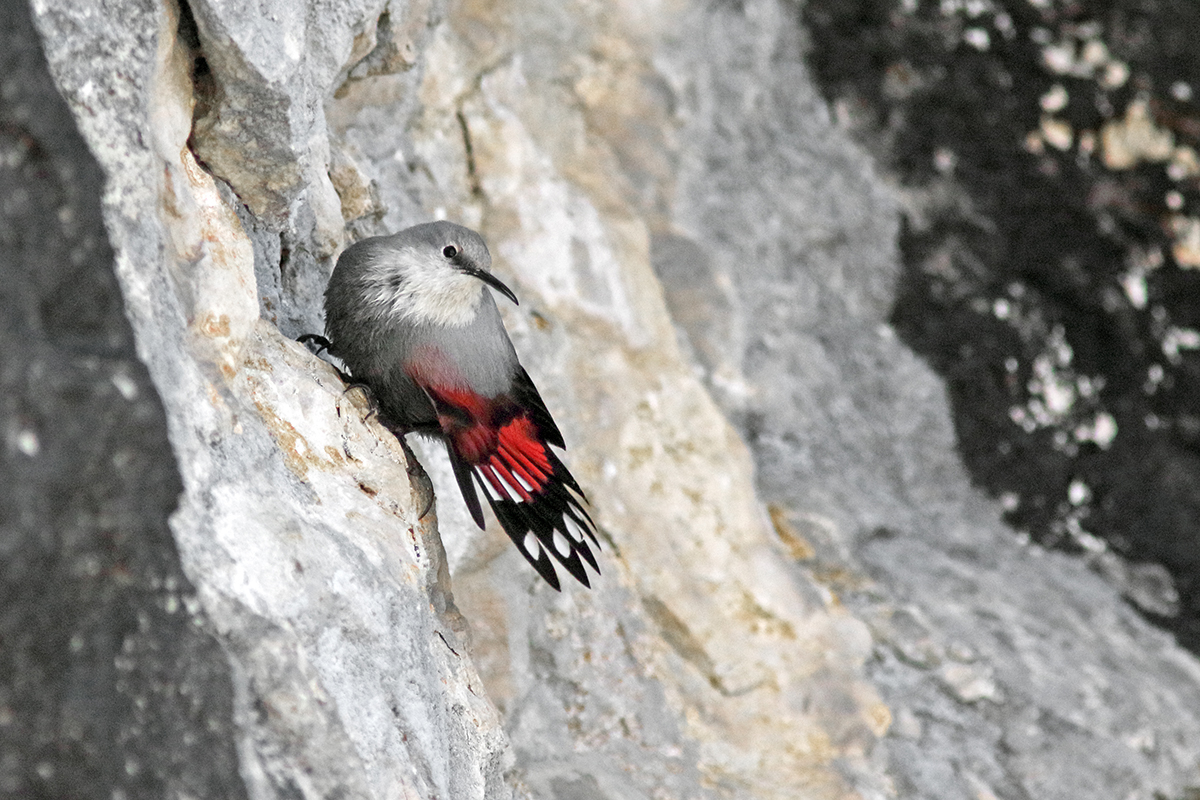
pixel 110 685
pixel 1043 279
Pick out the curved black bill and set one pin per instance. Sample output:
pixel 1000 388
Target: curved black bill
pixel 494 282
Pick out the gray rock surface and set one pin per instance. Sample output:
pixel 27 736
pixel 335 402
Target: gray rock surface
pixel 1065 690
pixel 1009 671
pixel 829 612
pixel 298 522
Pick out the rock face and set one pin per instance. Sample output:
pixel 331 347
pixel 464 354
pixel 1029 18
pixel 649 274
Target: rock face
pixel 1049 253
pixel 802 597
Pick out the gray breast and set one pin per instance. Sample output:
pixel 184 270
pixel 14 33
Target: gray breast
pixel 480 351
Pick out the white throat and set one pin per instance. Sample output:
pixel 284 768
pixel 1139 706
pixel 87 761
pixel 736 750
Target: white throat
pixel 409 286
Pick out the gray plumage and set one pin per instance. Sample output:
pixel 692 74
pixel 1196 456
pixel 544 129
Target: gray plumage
pixel 410 317
pixel 375 323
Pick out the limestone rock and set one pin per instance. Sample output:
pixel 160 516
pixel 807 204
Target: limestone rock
pixel 299 522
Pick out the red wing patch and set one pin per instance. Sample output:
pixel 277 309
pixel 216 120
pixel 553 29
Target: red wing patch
pixel 519 468
pixel 534 496
pixel 510 458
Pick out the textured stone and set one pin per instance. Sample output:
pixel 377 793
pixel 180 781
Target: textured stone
pixel 298 522
pixel 983 641
pixel 262 84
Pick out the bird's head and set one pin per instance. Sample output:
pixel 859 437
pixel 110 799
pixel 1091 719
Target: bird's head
pixel 432 273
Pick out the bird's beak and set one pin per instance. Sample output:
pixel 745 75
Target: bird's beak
pixel 494 282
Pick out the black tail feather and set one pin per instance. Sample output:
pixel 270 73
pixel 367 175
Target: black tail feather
pixel 462 473
pixel 544 516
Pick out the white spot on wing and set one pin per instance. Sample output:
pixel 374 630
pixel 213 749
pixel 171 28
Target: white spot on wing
pixel 27 442
pixel 513 494
pixel 524 484
pixel 562 545
pixel 532 546
pixel 573 528
pixel 487 487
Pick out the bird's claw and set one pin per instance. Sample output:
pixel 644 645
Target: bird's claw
pixel 308 339
pixel 428 507
pixel 373 405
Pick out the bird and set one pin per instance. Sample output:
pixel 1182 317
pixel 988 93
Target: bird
pixel 411 318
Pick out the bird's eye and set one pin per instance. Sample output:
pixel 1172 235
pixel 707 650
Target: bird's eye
pixel 450 251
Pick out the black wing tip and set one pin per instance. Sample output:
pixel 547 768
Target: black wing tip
pixel 575 563
pixel 462 474
pixel 557 510
pixel 586 552
pixel 545 568
pixel 575 566
pixel 520 520
pixel 542 562
pixel 579 574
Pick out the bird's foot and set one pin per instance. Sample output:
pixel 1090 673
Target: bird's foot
pixel 428 507
pixel 315 343
pixel 372 404
pixel 310 339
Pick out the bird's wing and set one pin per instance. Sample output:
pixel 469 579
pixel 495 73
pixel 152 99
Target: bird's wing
pixel 536 499
pixel 462 474
pixel 538 503
pixel 527 397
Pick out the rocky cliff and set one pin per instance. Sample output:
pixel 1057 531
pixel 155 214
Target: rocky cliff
pixel 801 596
